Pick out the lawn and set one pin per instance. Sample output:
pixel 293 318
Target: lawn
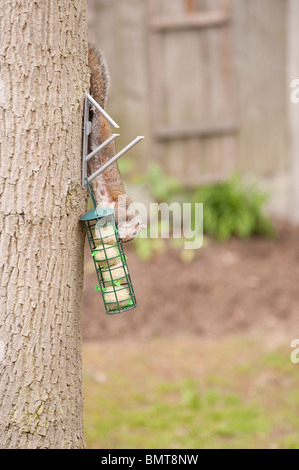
pixel 183 392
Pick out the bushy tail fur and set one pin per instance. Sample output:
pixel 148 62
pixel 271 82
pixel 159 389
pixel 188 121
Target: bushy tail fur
pixel 99 79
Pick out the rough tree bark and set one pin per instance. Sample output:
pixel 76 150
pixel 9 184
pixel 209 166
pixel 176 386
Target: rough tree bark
pixel 44 75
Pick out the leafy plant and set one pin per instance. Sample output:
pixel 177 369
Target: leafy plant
pixel 234 208
pixel 161 186
pixel 231 208
pixel 126 165
pixel 147 247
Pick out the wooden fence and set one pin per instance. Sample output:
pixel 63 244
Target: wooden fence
pixel 204 80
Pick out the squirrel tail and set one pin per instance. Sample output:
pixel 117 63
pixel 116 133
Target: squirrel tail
pixel 99 79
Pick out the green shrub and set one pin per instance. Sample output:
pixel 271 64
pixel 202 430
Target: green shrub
pixel 162 187
pixel 231 208
pixel 234 208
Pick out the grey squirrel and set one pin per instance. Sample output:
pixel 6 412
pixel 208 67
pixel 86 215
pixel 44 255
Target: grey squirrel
pixel 108 188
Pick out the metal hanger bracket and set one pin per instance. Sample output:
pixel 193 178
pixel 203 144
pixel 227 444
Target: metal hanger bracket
pixel 87 128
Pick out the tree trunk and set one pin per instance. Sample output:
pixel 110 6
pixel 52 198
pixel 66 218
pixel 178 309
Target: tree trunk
pixel 44 75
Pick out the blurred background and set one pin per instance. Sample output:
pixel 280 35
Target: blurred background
pixel 204 360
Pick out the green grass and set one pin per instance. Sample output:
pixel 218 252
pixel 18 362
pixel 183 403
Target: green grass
pixel 180 393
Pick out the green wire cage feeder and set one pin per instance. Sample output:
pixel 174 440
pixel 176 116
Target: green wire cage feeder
pixel 109 260
pixel 102 233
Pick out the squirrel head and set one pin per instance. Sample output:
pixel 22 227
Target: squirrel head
pixel 129 223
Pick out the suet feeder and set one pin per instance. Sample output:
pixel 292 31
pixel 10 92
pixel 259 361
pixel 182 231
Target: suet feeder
pixel 109 260
pixel 102 233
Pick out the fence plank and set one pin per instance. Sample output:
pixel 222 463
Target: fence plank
pixel 259 32
pixel 200 20
pixel 187 132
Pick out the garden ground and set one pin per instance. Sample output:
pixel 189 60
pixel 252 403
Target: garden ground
pixel 204 361
pixel 233 287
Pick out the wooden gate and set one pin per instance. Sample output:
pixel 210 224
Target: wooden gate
pixel 191 88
